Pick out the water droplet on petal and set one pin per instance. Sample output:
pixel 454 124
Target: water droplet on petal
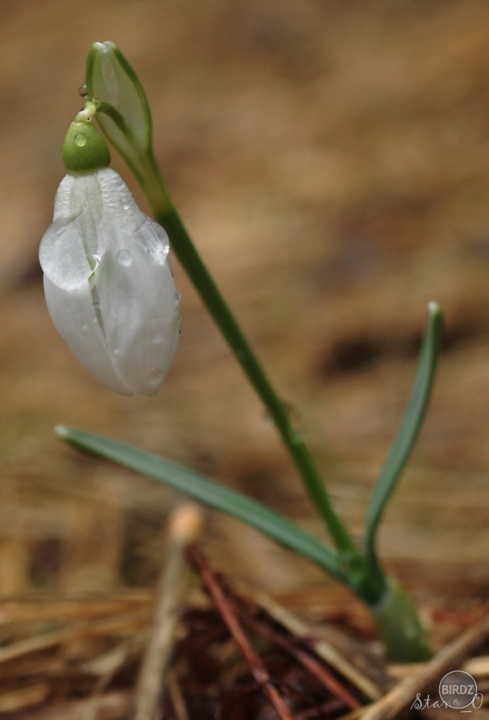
pixel 126 206
pixel 155 376
pixel 153 240
pixel 156 337
pixel 124 258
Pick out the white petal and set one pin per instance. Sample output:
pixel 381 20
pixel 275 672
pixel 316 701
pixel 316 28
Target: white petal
pixel 109 289
pixel 74 317
pixel 77 193
pixel 63 256
pixel 139 310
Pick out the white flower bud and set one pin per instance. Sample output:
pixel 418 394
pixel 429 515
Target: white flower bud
pixel 108 285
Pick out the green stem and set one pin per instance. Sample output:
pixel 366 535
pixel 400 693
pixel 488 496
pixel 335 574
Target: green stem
pixel 399 627
pixel 394 614
pixel 167 215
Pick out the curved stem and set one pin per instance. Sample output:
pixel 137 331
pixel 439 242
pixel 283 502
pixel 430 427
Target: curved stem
pixel 167 215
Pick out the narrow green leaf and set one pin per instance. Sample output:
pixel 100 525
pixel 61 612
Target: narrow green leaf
pixel 408 430
pixel 200 488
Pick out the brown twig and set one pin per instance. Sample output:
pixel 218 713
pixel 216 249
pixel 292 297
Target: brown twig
pixel 176 697
pixel 250 613
pixel 123 623
pixel 111 706
pixel 320 646
pixel 107 666
pixel 319 671
pixel 225 608
pixel 185 526
pixel 449 657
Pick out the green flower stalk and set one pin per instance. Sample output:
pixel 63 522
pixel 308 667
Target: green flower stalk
pixel 123 114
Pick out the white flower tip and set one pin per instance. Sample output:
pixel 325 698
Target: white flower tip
pixel 104 47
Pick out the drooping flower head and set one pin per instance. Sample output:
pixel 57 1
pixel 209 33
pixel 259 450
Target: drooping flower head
pixel 107 282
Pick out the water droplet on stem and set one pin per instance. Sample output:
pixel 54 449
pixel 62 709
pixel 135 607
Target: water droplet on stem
pixel 80 140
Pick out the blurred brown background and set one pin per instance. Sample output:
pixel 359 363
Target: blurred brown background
pixel 331 160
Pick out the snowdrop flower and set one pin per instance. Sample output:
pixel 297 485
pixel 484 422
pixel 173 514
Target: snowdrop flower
pixel 107 282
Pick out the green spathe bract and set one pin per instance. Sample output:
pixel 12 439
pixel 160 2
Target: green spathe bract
pixel 124 113
pixel 110 79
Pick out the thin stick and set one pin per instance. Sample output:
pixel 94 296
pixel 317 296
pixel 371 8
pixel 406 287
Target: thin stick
pixel 450 657
pixel 110 706
pixel 232 623
pixel 122 624
pixel 325 650
pixel 319 671
pixel 176 697
pixel 184 528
